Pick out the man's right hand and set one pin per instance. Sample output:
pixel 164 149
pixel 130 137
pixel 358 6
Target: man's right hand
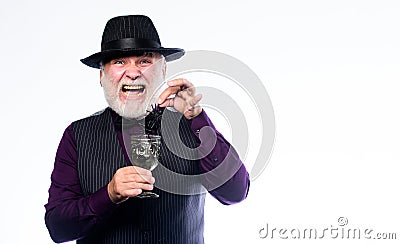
pixel 129 182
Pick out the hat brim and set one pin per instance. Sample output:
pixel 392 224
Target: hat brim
pixel 94 60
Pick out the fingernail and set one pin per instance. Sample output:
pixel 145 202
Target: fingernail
pixel 170 83
pixel 159 101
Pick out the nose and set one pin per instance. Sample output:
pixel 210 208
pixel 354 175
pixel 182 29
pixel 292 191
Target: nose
pixel 133 72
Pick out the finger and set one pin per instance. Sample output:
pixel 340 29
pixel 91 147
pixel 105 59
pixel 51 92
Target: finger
pixel 167 103
pixel 188 97
pixel 140 171
pixel 193 102
pixel 196 99
pixel 181 82
pixel 134 175
pixel 175 86
pixel 143 186
pixel 188 114
pixel 136 191
pixel 184 94
pixel 138 178
pixel 133 170
pixel 167 92
pixel 190 91
pixel 132 192
pixel 124 189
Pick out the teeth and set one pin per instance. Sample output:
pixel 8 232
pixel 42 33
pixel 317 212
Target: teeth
pixel 133 87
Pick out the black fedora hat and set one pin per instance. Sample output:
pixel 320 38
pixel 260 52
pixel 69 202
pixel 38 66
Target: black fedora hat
pixel 130 35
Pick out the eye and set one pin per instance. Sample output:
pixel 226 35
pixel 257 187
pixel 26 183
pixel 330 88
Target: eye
pixel 145 61
pixel 118 61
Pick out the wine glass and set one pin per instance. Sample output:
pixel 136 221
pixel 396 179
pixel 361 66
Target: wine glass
pixel 145 150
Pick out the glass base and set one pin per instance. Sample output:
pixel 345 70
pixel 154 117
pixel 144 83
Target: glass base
pixel 147 194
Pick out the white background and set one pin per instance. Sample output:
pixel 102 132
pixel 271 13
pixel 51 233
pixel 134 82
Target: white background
pixel 331 69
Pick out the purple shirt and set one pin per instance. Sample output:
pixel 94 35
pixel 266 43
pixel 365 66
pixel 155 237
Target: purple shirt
pixel 67 202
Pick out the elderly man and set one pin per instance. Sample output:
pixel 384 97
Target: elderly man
pixel 94 188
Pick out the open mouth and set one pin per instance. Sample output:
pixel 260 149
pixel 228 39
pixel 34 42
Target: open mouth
pixel 133 89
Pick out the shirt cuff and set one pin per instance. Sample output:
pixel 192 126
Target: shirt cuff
pixel 100 202
pixel 199 122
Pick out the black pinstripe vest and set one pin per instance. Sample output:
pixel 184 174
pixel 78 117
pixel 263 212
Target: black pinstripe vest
pixel 170 218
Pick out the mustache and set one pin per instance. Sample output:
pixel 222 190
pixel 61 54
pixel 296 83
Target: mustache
pixel 125 81
pixel 128 82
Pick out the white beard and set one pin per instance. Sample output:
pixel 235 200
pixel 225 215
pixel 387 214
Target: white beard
pixel 132 109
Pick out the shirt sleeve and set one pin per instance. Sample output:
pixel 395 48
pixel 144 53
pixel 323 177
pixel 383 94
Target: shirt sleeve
pixel 226 177
pixel 69 214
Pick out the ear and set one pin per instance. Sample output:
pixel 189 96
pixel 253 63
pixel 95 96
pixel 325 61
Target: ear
pixel 164 70
pixel 101 77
